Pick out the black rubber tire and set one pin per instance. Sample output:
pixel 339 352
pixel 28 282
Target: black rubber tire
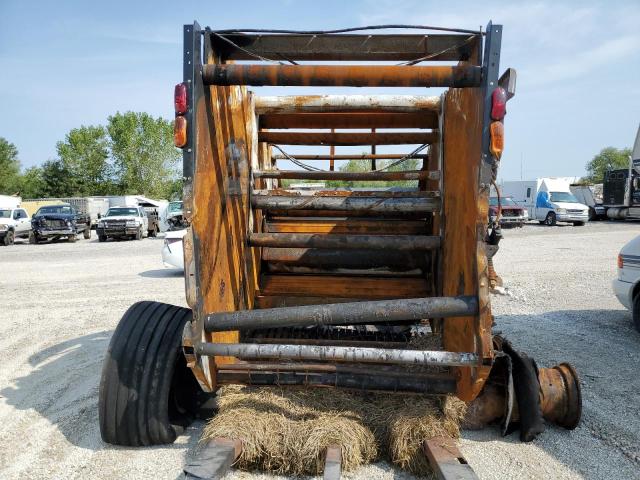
pixel 9 238
pixel 87 233
pixel 550 219
pixel 578 224
pixel 72 238
pixel 139 234
pixel 102 238
pixel 153 232
pixel 635 311
pixel 148 395
pixel 33 238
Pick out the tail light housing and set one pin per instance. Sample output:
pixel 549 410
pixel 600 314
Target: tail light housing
pixel 620 261
pixel 180 98
pixel 497 139
pixel 180 132
pixel 498 103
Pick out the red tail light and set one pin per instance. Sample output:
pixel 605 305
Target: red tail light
pixel 180 98
pixel 498 103
pixel 180 132
pixel 620 262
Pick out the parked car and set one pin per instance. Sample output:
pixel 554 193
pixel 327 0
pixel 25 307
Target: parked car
pixel 172 253
pixel 14 223
pixel 627 285
pixel 53 222
pixel 513 214
pixel 123 222
pixel 175 215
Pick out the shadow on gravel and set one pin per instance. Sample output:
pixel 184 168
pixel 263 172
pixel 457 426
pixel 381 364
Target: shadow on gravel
pixel 162 273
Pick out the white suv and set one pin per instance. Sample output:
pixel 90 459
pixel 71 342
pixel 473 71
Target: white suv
pixel 627 285
pixel 14 223
pixel 123 222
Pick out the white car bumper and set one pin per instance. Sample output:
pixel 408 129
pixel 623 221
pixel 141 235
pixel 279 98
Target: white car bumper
pixel 172 255
pixel 622 290
pixel 572 217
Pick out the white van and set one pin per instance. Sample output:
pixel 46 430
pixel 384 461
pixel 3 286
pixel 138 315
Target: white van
pixel 548 200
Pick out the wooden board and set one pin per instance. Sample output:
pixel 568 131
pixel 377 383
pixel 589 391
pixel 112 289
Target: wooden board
pixel 446 460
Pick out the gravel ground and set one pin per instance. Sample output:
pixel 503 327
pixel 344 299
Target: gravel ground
pixel 61 302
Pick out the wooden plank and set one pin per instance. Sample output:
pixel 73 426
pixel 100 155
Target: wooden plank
pixel 346 139
pixel 213 459
pixel 349 120
pixel 446 460
pixel 333 463
pixel 343 286
pixel 346 226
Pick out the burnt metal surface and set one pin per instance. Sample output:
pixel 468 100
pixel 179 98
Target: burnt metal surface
pixel 366 156
pixel 349 120
pixel 435 384
pixel 349 193
pixel 446 460
pixel 256 351
pixel 349 47
pixel 342 75
pixel 346 139
pixel 561 395
pixel 351 313
pixel 349 176
pixel 359 204
pixel 347 103
pixel 345 242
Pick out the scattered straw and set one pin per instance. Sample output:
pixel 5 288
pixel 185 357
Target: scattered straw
pixel 287 431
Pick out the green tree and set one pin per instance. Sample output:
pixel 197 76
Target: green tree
pixel 57 179
pixel 361 165
pixel 609 158
pixel 84 154
pixel 144 157
pixel 9 168
pixel 32 184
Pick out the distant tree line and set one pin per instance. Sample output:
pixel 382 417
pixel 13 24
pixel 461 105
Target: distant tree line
pixel 132 154
pixel 609 158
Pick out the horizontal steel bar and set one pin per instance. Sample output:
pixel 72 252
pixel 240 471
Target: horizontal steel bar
pixel 345 242
pixel 352 313
pixel 347 139
pixel 364 156
pixel 358 258
pixel 352 204
pixel 328 175
pixel 349 120
pixel 436 385
pixel 344 47
pixel 349 193
pixel 342 75
pixel 345 354
pixel 346 103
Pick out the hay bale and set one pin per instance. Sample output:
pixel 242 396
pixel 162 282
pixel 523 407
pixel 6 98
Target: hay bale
pixel 287 431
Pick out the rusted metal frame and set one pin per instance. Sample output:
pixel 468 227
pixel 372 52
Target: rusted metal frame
pixel 256 351
pixel 342 75
pixel 352 204
pixel 333 463
pixel 446 460
pixel 332 152
pixel 433 385
pixel 379 156
pixel 394 260
pixel 338 342
pixel 349 120
pixel 346 139
pixel 345 225
pixel 344 47
pixel 348 193
pixel 213 459
pixel 353 313
pixel 345 242
pixel 347 103
pixel 351 214
pixel 350 176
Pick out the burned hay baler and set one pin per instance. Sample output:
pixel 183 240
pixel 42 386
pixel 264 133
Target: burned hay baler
pixel 333 287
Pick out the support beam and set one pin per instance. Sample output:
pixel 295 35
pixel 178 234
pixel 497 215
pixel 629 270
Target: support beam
pixel 446 460
pixel 349 120
pixel 366 156
pixel 342 204
pixel 344 47
pixel 346 103
pixel 213 460
pixel 347 139
pixel 342 75
pixel 328 175
pixel 333 463
pixel 343 354
pixel 345 242
pixel 352 313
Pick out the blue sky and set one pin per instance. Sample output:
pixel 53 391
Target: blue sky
pixel 66 64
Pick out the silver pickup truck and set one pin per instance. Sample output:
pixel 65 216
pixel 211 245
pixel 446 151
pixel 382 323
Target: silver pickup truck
pixel 123 222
